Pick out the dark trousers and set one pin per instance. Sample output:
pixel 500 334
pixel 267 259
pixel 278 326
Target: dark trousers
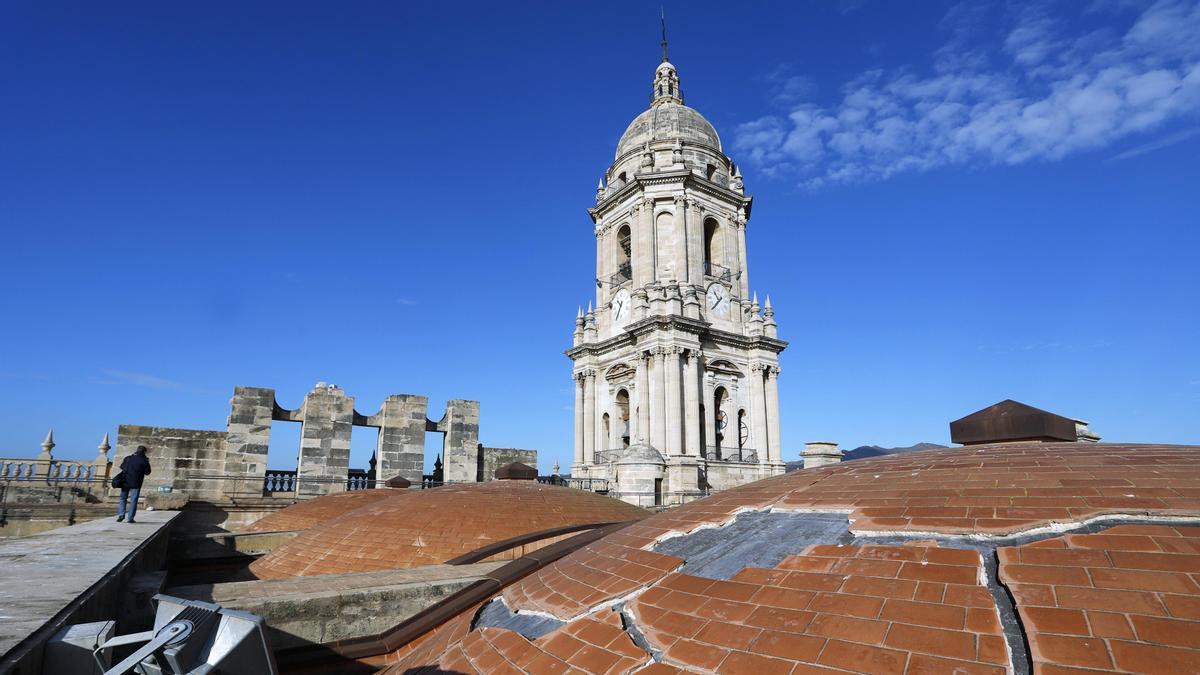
pixel 132 495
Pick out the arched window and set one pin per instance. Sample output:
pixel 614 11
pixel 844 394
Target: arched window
pixel 621 179
pixel 714 247
pixel 711 171
pixel 623 417
pixel 722 423
pixel 623 257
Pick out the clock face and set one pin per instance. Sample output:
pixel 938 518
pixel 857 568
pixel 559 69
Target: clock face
pixel 620 307
pixel 717 300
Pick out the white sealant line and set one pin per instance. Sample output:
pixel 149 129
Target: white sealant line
pixel 733 515
pixel 1052 528
pixel 603 605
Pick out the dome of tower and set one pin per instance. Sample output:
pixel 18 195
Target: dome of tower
pixel 668 121
pixel 410 528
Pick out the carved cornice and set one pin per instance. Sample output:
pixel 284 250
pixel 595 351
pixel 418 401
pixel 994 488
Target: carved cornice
pixel 644 329
pixel 687 180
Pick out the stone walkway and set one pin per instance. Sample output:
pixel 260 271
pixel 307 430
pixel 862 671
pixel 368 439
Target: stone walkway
pixel 44 574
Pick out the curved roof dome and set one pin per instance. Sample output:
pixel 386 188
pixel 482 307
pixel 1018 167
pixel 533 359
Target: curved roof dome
pixel 312 512
pixel 876 565
pixel 668 121
pixel 410 528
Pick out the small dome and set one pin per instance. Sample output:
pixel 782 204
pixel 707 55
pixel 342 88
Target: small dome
pixel 410 528
pixel 668 122
pixel 312 512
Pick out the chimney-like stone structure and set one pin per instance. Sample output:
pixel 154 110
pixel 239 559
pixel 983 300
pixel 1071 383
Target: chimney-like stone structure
pixel 460 446
pixel 325 441
pixel 400 450
pixel 821 453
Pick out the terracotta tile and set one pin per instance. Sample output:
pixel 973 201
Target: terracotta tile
pixel 923 664
pixel 728 635
pixel 882 588
pixel 923 614
pixel 847 605
pixel 1135 602
pixel 1169 562
pixel 993 649
pixel 1070 651
pixel 868 631
pixel 775 618
pixel 724 610
pixel 949 643
pixel 1141 658
pixel 1053 620
pixel 741 662
pixel 1176 632
pixel 1182 606
pixel 863 658
pixel 782 597
pixel 688 653
pixel 1039 574
pixel 1140 580
pixel 788 645
pixel 930 592
pixel 950 574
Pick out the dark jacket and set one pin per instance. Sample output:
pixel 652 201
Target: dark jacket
pixel 136 468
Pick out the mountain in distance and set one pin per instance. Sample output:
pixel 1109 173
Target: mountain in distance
pixel 865 451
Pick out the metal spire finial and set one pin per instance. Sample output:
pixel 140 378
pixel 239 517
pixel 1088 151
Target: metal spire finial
pixel 663 19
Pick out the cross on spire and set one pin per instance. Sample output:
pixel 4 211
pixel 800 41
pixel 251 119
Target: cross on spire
pixel 663 20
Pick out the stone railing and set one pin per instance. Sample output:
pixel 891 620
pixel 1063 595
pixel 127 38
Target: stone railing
pixel 279 481
pixel 359 480
pixel 52 472
pixel 589 484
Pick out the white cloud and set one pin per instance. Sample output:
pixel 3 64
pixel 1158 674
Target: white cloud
pixel 1039 95
pixel 139 380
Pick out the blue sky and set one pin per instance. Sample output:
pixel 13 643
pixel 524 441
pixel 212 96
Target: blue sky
pixel 956 203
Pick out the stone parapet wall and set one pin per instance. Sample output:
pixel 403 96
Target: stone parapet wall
pixel 491 459
pixel 177 458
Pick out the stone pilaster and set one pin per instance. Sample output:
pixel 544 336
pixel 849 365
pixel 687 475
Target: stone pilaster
pixel 681 257
pixel 579 413
pixel 758 411
pixel 674 409
pixel 645 271
pixel 741 247
pixel 602 271
pixel 589 416
pixel 658 413
pixel 325 442
pixel 249 433
pixel 643 393
pixel 460 445
pixel 695 239
pixel 691 404
pixel 774 444
pixel 400 450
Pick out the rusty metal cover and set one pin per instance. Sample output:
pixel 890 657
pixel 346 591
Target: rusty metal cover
pixel 398 482
pixel 516 471
pixel 1009 420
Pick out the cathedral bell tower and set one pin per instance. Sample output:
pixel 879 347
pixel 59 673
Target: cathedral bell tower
pixel 676 364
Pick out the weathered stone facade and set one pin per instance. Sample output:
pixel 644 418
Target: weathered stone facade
pixel 676 366
pixel 212 465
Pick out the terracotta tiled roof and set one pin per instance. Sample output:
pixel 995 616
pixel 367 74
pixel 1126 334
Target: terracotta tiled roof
pixel 312 512
pixel 918 606
pixel 425 527
pixel 1125 599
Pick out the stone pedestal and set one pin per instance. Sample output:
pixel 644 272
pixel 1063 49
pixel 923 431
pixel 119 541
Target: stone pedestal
pixel 325 442
pixel 821 453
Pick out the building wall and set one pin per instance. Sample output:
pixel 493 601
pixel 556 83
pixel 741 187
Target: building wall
pixel 176 452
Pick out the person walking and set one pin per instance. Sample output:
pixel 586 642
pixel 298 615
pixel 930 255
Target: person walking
pixel 134 469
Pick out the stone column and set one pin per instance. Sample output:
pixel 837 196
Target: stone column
pixel 579 408
pixel 598 416
pixel 772 394
pixel 325 442
pixel 658 413
pixel 681 257
pixel 643 404
pixel 695 241
pixel 691 404
pixel 710 412
pixel 758 411
pixel 741 243
pixel 589 416
pixel 400 450
pixel 460 445
pixel 674 409
pixel 249 433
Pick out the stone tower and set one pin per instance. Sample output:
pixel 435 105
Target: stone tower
pixel 676 366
